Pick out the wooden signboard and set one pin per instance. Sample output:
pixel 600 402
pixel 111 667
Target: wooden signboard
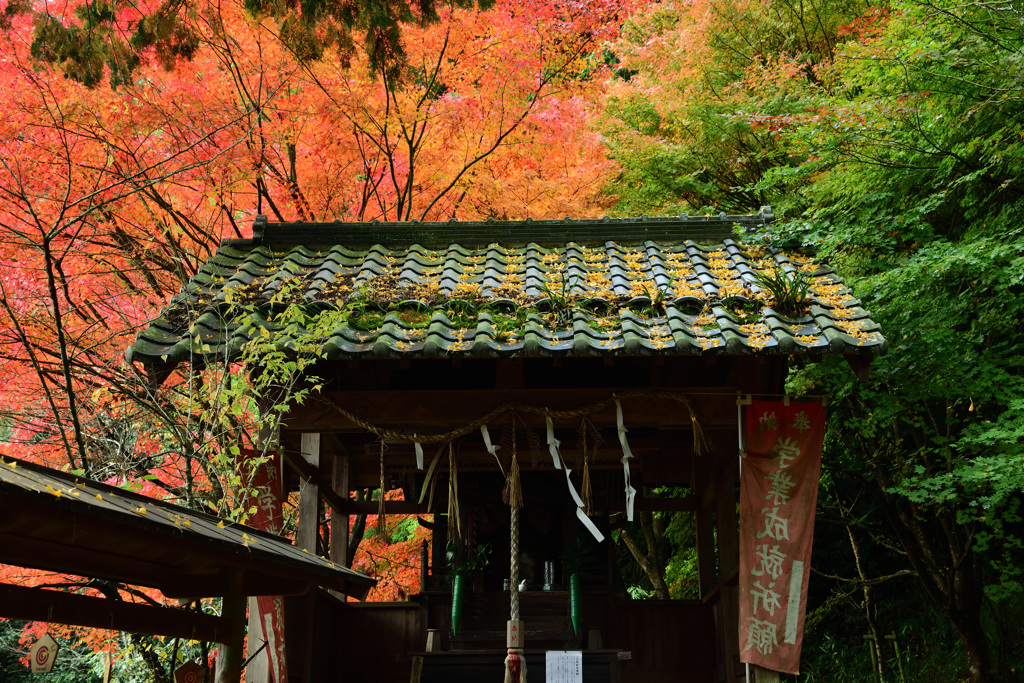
pixel 43 655
pixel 564 667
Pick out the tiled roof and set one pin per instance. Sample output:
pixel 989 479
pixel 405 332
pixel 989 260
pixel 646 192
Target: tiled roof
pixel 542 288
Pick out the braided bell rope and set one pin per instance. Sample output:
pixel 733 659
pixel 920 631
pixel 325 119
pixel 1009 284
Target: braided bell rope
pixel 514 566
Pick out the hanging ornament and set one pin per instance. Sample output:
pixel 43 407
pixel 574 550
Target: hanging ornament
pixel 43 654
pixel 454 526
pixel 588 490
pixel 700 442
pixel 515 487
pixel 627 455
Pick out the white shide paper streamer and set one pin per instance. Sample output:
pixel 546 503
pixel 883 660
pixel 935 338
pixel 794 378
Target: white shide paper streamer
pixel 491 448
pixel 626 455
pixel 553 444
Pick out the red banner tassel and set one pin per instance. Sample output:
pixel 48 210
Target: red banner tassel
pixel 515 666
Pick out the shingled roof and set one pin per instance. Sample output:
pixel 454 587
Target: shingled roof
pixel 66 523
pixel 643 286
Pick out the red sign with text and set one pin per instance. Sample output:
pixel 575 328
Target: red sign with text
pixel 778 497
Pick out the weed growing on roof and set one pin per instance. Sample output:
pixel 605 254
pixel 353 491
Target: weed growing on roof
pixel 790 290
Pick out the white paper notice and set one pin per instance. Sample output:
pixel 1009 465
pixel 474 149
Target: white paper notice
pixel 564 667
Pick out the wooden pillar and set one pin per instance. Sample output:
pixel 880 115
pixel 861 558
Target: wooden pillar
pixel 706 572
pixel 306 535
pixel 308 525
pixel 258 668
pixel 702 481
pixel 231 651
pixel 338 553
pixel 764 675
pixel 728 562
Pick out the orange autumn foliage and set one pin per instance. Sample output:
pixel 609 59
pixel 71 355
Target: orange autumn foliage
pixel 112 198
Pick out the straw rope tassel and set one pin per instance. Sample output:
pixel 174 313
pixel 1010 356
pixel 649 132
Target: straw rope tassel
pixel 382 528
pixel 515 487
pixel 588 490
pixel 454 526
pixel 700 441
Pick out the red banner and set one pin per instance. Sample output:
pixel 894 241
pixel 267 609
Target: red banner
pixel 265 482
pixel 778 497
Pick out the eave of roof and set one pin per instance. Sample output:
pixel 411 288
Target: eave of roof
pixel 61 522
pixel 646 286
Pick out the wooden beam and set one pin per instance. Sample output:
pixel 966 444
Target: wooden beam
pixel 38 604
pixel 405 507
pixel 394 507
pixel 687 504
pixel 861 366
pixel 424 411
pixel 24 551
pixel 299 463
pixel 307 471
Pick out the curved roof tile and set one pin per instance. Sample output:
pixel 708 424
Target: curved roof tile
pixel 565 289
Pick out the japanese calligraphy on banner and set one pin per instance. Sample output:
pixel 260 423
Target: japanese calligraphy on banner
pixel 778 497
pixel 265 481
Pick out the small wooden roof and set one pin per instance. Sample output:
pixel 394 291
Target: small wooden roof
pixel 60 522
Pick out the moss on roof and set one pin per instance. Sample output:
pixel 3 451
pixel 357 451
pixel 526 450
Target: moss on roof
pixel 650 291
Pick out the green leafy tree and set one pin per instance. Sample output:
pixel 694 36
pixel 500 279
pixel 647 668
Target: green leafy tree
pixel 915 190
pixel 706 90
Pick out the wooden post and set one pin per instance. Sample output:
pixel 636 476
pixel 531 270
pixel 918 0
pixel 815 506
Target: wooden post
pixel 338 553
pixel 308 525
pixel 424 564
pixel 306 535
pixel 765 675
pixel 702 481
pixel 706 573
pixel 727 525
pixel 229 659
pixel 258 668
